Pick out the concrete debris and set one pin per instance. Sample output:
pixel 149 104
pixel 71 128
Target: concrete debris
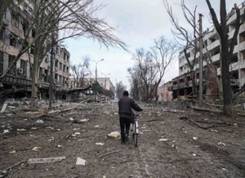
pixel 76 134
pixel 39 121
pixel 114 134
pixel 4 107
pixel 84 120
pixel 33 128
pixel 100 144
pixel 21 130
pixel 12 152
pixel 76 129
pixel 71 119
pixel 221 144
pixel 5 131
pixel 235 124
pixel 96 126
pixel 36 148
pixel 59 146
pixel 194 154
pixel 46 160
pixel 80 162
pixel 51 128
pixel 213 130
pixel 163 140
pixel 51 139
pixel 195 138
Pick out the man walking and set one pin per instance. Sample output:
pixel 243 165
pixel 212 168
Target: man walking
pixel 126 114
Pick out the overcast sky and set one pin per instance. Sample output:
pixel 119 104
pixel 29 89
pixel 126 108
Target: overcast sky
pixel 137 23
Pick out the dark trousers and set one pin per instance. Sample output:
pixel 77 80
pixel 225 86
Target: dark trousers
pixel 124 125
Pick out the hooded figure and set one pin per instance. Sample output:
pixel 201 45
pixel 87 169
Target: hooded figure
pixel 126 114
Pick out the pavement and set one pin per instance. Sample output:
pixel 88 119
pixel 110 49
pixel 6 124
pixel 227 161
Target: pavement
pixel 172 143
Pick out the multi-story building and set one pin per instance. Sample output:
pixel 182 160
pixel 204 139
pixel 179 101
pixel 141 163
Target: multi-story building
pixel 182 85
pixel 11 37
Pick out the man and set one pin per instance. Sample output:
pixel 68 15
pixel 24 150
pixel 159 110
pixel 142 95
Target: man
pixel 126 114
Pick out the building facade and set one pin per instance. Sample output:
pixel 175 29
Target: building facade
pixel 11 38
pixel 182 85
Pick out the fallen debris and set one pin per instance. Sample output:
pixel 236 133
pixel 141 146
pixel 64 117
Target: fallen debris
pixel 46 160
pixel 163 140
pixel 75 134
pixel 36 148
pixel 4 107
pixel 5 131
pixel 195 138
pixel 114 134
pixel 80 162
pixel 221 144
pixel 100 144
pixel 39 121
pixel 12 152
pixel 4 173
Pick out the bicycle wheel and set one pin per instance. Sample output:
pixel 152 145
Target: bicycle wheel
pixel 135 140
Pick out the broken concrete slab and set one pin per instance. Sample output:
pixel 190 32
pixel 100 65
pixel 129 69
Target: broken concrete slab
pixel 114 134
pixel 36 148
pixel 46 160
pixel 80 162
pixel 100 144
pixel 163 140
pixel 39 121
pixel 4 107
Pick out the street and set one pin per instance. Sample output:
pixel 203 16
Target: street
pixel 172 143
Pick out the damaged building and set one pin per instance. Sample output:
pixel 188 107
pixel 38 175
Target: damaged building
pixel 18 80
pixel 182 85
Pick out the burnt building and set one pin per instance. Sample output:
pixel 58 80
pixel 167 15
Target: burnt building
pixel 11 38
pixel 182 85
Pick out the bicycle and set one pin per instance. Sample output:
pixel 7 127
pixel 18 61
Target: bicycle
pixel 134 128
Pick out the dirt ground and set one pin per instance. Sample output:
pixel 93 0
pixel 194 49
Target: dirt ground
pixel 172 144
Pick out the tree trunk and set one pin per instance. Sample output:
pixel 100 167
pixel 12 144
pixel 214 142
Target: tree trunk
pixel 35 77
pixel 226 85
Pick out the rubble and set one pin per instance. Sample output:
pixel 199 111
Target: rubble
pixel 76 134
pixel 114 134
pixel 39 121
pixel 45 160
pixel 36 148
pixel 100 144
pixel 4 107
pixel 163 140
pixel 80 162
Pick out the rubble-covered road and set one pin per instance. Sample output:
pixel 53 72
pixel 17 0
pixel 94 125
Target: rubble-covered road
pixel 173 143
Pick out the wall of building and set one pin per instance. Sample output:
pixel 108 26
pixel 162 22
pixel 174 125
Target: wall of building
pixel 183 83
pixel 10 43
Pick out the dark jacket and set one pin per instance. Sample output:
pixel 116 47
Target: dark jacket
pixel 126 105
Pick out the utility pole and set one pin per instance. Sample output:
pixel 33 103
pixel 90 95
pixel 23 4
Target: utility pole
pixel 200 59
pixel 51 76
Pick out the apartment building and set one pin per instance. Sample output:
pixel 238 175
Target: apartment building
pixel 182 85
pixel 11 38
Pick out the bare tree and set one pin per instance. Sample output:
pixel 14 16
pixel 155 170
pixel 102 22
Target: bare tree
pixel 150 68
pixel 70 18
pixel 80 72
pixel 227 48
pixel 120 87
pixel 186 38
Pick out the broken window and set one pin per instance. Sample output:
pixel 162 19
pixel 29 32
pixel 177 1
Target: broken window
pixel 1 62
pixel 23 68
pixel 15 19
pixel 2 34
pixel 234 58
pixel 13 40
pixel 242 37
pixel 11 62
